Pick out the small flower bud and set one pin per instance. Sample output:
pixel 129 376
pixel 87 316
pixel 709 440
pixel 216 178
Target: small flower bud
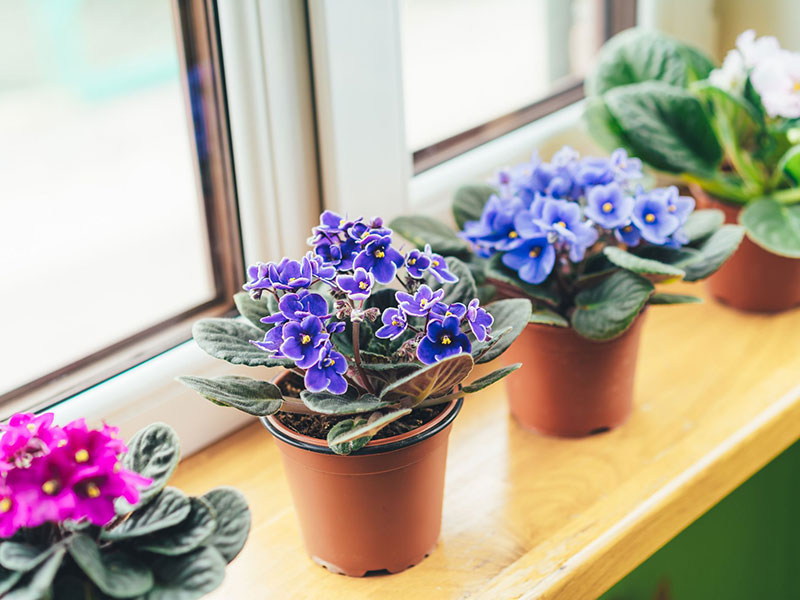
pixel 341 308
pixel 372 314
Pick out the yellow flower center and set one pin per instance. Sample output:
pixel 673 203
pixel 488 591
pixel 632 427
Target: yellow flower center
pixel 535 251
pixel 82 456
pixel 395 323
pixel 412 261
pixel 50 487
pixel 445 339
pixel 423 302
pixel 650 217
pixel 305 339
pixel 796 86
pixel 562 224
pixel 5 505
pixel 435 263
pixel 379 253
pixel 513 234
pixel 62 443
pixel 448 314
pixel 117 467
pixel 607 207
pixel 672 208
pixel 291 279
pixel 92 490
pixel 329 361
pixel 627 228
pixel 342 222
pixel 31 427
pixel 363 285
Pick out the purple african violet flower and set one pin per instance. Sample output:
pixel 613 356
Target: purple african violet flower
pixel 628 235
pixel 379 258
pixel 14 512
pixel 441 311
pixel 335 327
pixel 331 223
pixel 328 373
pixel 564 219
pixel 608 206
pixel 679 206
pixel 98 486
pixel 653 219
pixel 480 321
pixel 438 268
pixel 358 285
pixel 533 261
pixel 592 171
pixel 625 167
pixel 258 277
pixel 417 263
pixel 421 303
pixel 290 275
pixel 272 341
pixel 45 487
pixel 495 229
pixel 442 339
pixel 319 268
pixel 296 307
pixel 303 342
pixel 394 323
pixel 25 437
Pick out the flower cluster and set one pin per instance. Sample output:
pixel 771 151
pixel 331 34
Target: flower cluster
pixel 52 474
pixel 351 260
pixel 773 72
pixel 544 211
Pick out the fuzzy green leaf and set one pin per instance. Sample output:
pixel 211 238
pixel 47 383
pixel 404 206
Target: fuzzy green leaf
pixel 605 311
pixel 514 313
pixel 253 396
pixel 469 201
pixel 489 379
pixel 337 404
pixel 712 253
pixel 117 574
pixel 229 339
pixel 190 533
pixel 497 271
pixel 253 310
pixel 8 579
pixel 39 586
pixel 773 226
pixel 650 269
pixel 542 316
pixel 421 230
pixel 343 427
pixel 662 298
pixel 153 452
pixel 233 521
pixel 702 223
pixel 169 508
pixel 187 577
pixel 359 431
pixel 429 381
pixel 19 556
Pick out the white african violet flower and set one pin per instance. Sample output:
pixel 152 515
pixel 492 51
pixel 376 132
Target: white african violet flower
pixel 732 75
pixel 777 80
pixel 749 52
pixel 756 50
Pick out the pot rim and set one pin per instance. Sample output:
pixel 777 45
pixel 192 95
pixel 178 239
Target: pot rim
pixel 396 442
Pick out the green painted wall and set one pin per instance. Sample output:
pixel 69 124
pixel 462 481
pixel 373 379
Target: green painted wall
pixel 747 547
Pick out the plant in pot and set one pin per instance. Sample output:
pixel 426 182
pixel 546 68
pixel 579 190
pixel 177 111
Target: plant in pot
pixel 82 516
pixel 374 376
pixel 585 244
pixel 732 133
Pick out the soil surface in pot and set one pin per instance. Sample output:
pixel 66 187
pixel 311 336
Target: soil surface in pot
pixel 318 426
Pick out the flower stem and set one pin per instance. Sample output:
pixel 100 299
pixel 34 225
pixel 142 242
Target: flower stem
pixel 357 355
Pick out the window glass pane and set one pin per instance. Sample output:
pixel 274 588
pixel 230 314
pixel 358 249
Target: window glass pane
pixel 466 62
pixel 102 229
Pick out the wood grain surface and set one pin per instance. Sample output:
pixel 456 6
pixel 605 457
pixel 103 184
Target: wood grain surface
pixel 525 516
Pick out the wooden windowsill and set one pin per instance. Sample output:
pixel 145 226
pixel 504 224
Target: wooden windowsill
pixel 718 396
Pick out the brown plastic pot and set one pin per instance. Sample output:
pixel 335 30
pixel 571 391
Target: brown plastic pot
pixel 379 509
pixel 570 386
pixel 753 279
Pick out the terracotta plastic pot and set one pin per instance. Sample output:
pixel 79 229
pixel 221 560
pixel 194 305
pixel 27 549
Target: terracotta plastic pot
pixel 570 386
pixel 379 509
pixel 753 279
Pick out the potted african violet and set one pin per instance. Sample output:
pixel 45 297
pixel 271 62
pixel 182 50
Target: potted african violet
pixel 82 516
pixel 584 243
pixel 376 347
pixel 732 133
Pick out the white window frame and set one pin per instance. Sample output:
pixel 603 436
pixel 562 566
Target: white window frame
pixel 269 97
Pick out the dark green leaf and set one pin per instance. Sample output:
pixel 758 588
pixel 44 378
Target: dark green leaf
pixel 18 556
pixel 117 574
pixel 255 397
pixel 469 201
pixel 662 298
pixel 167 509
pixel 420 230
pixel 361 430
pixel 481 348
pixel 712 253
pixel 514 313
pixel 497 271
pixel 342 428
pixel 190 533
pixel 489 379
pixel 39 585
pixel 605 311
pixel 8 579
pixel 462 290
pixel 602 125
pixel 189 576
pixel 429 381
pixel 650 269
pixel 773 226
pixel 336 404
pixel 702 223
pixel 153 452
pixel 542 316
pixel 229 339
pixel 233 521
pixel 253 310
pixel 790 163
pixel 665 126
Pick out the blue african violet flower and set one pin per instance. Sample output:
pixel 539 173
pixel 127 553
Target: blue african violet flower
pixel 421 303
pixel 609 206
pixel 438 267
pixel 339 255
pixel 592 171
pixel 258 277
pixel 495 229
pixel 533 260
pixel 272 341
pixel 441 311
pixel 303 341
pixel 296 307
pixel 327 373
pixel 625 167
pixel 679 206
pixel 480 321
pixel 653 219
pixel 330 222
pixel 358 285
pixel 417 263
pixel 564 219
pixel 394 323
pixel 319 268
pixel 628 235
pixel 379 258
pixel 442 339
pixel 290 275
